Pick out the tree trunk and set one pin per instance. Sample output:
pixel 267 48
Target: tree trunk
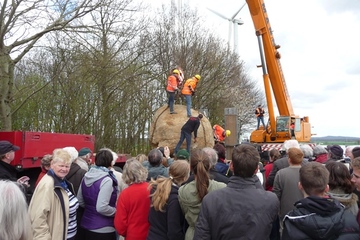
pixel 6 90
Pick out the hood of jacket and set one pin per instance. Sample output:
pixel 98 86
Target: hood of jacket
pixel 320 218
pixel 348 200
pixel 344 198
pixel 154 172
pixel 94 174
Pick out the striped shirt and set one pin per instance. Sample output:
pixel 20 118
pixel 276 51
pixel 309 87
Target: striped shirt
pixel 73 206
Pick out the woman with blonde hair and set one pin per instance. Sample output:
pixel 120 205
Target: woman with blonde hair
pixel 132 209
pixel 165 217
pixel 53 206
pixel 192 193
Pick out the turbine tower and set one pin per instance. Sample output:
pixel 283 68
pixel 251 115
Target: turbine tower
pixel 233 23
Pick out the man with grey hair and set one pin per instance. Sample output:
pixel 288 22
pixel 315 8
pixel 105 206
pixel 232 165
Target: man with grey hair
pixel 213 157
pixel 214 174
pixel 348 153
pixel 282 162
pixel 154 165
pixel 84 158
pixel 307 151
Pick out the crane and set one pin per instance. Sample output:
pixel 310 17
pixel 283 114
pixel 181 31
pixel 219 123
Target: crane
pixel 286 125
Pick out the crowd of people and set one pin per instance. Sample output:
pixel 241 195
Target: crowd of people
pixel 192 195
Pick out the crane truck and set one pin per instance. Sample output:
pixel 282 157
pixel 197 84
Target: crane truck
pixel 287 125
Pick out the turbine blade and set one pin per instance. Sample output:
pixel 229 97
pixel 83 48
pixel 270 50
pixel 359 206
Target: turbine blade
pixel 233 17
pixel 220 15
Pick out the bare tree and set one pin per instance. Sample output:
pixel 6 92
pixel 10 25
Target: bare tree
pixel 181 39
pixel 23 24
pixel 107 78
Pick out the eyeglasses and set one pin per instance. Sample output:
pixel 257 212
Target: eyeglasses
pixel 354 175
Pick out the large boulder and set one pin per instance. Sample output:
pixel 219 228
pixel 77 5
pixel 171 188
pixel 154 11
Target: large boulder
pixel 165 129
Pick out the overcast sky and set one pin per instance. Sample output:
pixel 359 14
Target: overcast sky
pixel 320 55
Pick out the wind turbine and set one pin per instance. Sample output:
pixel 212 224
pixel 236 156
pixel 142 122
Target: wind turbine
pixel 233 22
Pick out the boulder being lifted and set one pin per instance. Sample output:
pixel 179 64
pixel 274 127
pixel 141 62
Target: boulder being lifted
pixel 165 129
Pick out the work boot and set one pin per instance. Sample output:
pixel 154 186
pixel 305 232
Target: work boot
pixel 173 112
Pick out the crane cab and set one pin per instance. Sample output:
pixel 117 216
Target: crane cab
pixel 287 127
pixel 293 128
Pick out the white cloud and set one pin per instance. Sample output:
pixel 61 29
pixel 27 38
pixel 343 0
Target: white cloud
pixel 320 55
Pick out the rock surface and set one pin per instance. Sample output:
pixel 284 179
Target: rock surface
pixel 165 129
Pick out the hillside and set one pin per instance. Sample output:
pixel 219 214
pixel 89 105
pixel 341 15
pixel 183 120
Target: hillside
pixel 341 140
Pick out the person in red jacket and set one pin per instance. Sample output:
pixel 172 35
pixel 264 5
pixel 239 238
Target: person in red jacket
pixel 132 210
pixel 274 154
pixel 45 166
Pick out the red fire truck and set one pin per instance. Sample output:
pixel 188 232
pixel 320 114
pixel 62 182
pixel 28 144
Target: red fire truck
pixel 34 145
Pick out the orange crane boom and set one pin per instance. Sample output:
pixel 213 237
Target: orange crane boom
pixel 287 125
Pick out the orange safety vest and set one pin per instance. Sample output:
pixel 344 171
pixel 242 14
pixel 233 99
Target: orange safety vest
pixel 189 86
pixel 172 83
pixel 218 133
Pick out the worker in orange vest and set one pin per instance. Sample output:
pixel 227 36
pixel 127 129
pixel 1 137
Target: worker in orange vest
pixel 173 83
pixel 220 134
pixel 189 90
pixel 259 112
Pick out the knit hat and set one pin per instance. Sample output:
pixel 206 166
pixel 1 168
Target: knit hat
pixel 84 151
pixel 336 150
pixel 6 147
pixel 182 154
